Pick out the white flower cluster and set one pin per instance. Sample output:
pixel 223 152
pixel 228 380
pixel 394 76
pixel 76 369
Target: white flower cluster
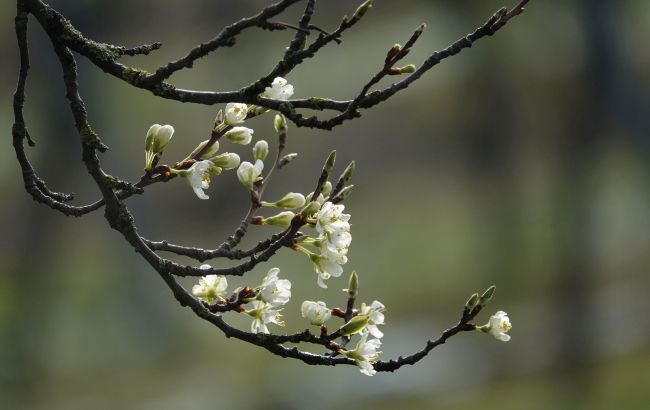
pixel 264 308
pixel 335 239
pixel 204 160
pixel 271 295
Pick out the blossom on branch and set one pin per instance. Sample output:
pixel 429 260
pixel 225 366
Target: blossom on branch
pixel 240 135
pixel 279 90
pixel 275 292
pixel 498 326
pixel 211 288
pixel 375 315
pixel 235 113
pixel 364 354
pixel 316 312
pixel 263 314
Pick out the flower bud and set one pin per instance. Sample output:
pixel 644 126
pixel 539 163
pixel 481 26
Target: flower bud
pixel 329 164
pixel 311 208
pixel 240 135
pixel 248 173
pixel 287 159
pixel 349 171
pixel 211 152
pixel 151 134
pixel 472 301
pixel 280 123
pixel 355 325
pixel 282 220
pixel 162 138
pixel 291 200
pixel 362 9
pixel 487 295
pixel 327 188
pixel 227 160
pixel 261 150
pixel 407 69
pixel 353 284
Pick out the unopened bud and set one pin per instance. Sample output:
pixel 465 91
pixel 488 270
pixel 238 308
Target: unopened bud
pixel 355 325
pixel 407 69
pixel 487 295
pixel 282 220
pixel 280 123
pixel 362 9
pixel 472 301
pixel 261 150
pixel 329 164
pixel 291 200
pixel 227 160
pixel 240 135
pixel 349 171
pixel 327 188
pixel 353 284
pixel 287 159
pixel 210 152
pixel 311 208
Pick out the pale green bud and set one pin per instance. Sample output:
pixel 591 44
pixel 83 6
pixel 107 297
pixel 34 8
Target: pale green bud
pixel 211 152
pixel 240 135
pixel 407 69
pixel 487 295
pixel 329 164
pixel 280 123
pixel 353 284
pixel 472 301
pixel 227 160
pixel 349 171
pixel 311 208
pixel 355 325
pixel 151 134
pixel 281 220
pixel 261 150
pixel 362 9
pixel 162 138
pixel 291 200
pixel 327 188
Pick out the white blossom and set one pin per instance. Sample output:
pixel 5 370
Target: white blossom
pixel 325 267
pixel 375 317
pixel 316 312
pixel 275 292
pixel 279 90
pixel 198 176
pixel 236 113
pixel 210 287
pixel 248 173
pixel 364 354
pixel 331 219
pixel 263 314
pixel 499 325
pixel 240 135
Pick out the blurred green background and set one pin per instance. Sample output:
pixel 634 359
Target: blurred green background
pixel 523 162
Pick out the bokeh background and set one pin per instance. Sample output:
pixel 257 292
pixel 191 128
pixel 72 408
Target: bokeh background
pixel 523 162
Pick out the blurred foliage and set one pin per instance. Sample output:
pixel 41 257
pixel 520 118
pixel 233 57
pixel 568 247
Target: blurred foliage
pixel 523 162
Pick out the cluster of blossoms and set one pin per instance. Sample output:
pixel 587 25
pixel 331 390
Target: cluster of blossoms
pixel 203 162
pixel 264 308
pixel 327 249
